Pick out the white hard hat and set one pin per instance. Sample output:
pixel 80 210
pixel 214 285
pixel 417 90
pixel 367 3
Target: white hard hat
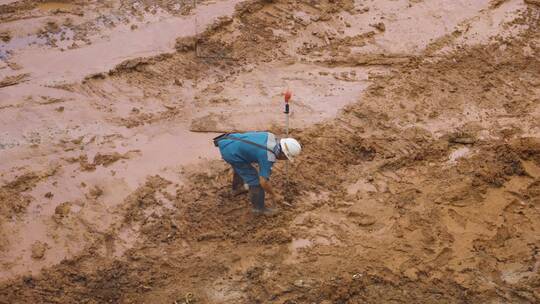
pixel 290 147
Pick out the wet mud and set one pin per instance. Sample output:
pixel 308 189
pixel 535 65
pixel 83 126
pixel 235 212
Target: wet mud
pixel 419 180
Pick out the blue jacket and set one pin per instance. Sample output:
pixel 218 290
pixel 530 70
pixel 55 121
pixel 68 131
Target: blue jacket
pixel 234 151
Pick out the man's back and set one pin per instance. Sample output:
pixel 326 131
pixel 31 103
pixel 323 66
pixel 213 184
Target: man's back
pixel 238 151
pixel 235 151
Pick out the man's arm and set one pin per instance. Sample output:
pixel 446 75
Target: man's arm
pixel 265 168
pixel 265 184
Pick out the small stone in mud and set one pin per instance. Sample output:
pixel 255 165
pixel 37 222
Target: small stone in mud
pixel 38 250
pixel 48 195
pixel 59 109
pixel 134 27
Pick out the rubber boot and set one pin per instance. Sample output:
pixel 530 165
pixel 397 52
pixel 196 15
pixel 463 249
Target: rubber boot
pixel 237 185
pixel 256 195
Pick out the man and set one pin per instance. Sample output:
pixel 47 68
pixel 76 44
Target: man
pixel 241 150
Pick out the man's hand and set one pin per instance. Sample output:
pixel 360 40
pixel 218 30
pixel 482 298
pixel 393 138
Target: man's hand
pixel 265 184
pixel 275 197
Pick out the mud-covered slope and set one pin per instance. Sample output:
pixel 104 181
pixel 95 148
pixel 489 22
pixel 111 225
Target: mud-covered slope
pixel 425 190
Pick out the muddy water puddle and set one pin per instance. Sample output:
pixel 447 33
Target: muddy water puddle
pixel 8 48
pixel 62 39
pixel 53 6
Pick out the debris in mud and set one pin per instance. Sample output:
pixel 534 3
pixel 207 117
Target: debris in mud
pixel 108 159
pixel 379 26
pixel 95 192
pixel 367 60
pixel 362 10
pixel 178 82
pixel 533 193
pixel 52 27
pixel 136 64
pixel 13 80
pixel 495 165
pixel 185 44
pixel 38 250
pixel 13 201
pixel 62 211
pixel 5 36
pixel 83 161
pixel 462 138
pixel 100 159
pixel 95 76
pixel 45 100
pixel 24 182
pixel 497 3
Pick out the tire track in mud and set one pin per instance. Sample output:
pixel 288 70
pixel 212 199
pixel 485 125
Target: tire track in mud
pixel 414 228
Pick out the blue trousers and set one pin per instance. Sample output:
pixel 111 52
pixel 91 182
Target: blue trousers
pixel 247 172
pixel 250 176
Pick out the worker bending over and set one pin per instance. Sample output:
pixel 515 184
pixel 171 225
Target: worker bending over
pixel 242 150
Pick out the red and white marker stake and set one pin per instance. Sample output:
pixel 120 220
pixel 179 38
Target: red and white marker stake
pixel 287 97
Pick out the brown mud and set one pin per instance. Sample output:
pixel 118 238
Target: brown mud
pixel 419 180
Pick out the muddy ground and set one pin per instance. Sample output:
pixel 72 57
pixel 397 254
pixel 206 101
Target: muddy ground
pixel 419 180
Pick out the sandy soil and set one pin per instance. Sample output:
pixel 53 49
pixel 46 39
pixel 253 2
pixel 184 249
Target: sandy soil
pixel 419 181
